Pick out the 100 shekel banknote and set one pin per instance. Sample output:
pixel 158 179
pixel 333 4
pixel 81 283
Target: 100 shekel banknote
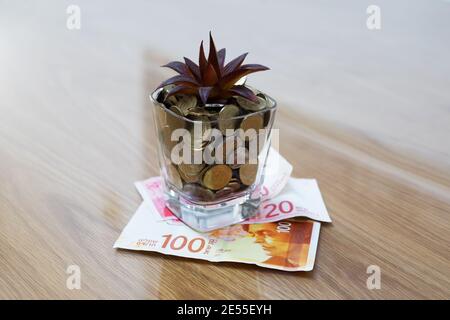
pixel 283 245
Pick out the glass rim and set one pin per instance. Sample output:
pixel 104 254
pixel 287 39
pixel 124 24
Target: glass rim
pixel 154 95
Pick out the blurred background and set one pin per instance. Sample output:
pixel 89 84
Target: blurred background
pixel 391 85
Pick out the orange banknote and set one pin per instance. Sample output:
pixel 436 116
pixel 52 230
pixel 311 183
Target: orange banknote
pixel 284 245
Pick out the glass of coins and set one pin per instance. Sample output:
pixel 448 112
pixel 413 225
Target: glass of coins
pixel 212 156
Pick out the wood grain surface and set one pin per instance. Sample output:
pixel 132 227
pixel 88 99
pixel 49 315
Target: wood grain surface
pixel 76 132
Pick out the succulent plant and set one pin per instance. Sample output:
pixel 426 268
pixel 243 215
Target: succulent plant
pixel 211 80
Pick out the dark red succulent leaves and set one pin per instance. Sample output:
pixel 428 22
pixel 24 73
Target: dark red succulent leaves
pixel 211 78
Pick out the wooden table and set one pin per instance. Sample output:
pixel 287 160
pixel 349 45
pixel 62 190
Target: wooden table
pixel 76 132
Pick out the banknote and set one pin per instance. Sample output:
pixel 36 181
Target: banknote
pixel 299 198
pixel 284 245
pixel 276 173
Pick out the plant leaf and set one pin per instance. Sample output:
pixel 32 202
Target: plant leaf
pixel 257 67
pixel 234 64
pixel 203 92
pixel 212 57
pixel 244 92
pixel 180 89
pixel 212 79
pixel 210 76
pixel 176 66
pixel 177 80
pixel 221 55
pixel 229 80
pixel 202 62
pixel 193 68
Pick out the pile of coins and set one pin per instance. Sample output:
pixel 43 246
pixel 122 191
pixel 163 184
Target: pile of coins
pixel 212 180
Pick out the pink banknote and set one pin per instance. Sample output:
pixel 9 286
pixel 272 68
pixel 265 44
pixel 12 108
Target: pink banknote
pixel 298 198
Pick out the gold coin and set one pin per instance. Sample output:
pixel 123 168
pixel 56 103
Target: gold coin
pixel 205 123
pixel 217 177
pixel 191 169
pixel 177 110
pixel 247 173
pixel 250 126
pixel 223 192
pixel 197 192
pixel 250 105
pixel 187 103
pixel 218 150
pixel 238 157
pixel 213 116
pixel 187 177
pixel 213 106
pixel 172 100
pixel 225 119
pixel 198 112
pixel 196 142
pixel 256 142
pixel 174 176
pixel 200 138
pixel 234 185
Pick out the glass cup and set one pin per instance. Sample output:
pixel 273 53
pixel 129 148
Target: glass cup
pixel 212 158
